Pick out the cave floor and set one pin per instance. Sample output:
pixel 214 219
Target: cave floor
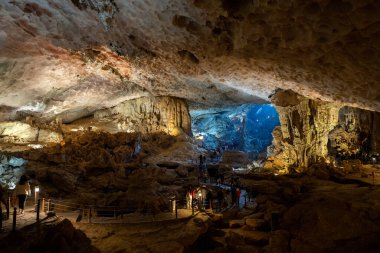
pixel 315 216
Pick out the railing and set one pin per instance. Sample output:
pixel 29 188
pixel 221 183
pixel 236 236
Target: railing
pixel 87 213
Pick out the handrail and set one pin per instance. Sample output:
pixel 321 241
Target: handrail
pixel 90 211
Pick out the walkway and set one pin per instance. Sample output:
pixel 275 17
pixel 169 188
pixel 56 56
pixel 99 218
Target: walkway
pixel 30 217
pixel 244 200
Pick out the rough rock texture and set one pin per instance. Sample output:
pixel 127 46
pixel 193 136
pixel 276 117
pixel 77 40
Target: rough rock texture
pixel 82 156
pixel 70 58
pixel 305 214
pixel 165 237
pixel 22 133
pixel 149 115
pixel 101 168
pixel 305 126
pixel 53 236
pixel 357 133
pixel 11 169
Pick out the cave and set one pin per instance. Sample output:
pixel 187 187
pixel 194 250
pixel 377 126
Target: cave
pixel 190 126
pixel 247 128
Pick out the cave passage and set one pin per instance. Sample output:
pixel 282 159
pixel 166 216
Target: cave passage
pixel 245 128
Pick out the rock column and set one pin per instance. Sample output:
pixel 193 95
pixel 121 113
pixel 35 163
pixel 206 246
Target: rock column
pixel 305 127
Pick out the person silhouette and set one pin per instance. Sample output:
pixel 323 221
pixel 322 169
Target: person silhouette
pixel 22 190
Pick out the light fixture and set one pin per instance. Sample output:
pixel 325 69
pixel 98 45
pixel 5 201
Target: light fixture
pixel 37 189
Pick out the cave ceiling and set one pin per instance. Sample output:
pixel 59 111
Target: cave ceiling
pixel 72 57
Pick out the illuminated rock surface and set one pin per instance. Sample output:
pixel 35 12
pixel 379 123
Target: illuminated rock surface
pixel 149 115
pixel 305 125
pixel 70 58
pixel 95 95
pixel 315 131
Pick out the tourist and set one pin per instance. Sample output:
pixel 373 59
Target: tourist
pixel 22 190
pixel 189 199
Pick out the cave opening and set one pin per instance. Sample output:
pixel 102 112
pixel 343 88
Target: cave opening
pixel 11 169
pixel 247 128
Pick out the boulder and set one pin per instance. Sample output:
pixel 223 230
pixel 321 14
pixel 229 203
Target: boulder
pixel 279 242
pixel 236 223
pixel 55 236
pixel 255 223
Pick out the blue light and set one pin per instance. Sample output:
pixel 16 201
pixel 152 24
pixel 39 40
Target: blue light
pixel 247 127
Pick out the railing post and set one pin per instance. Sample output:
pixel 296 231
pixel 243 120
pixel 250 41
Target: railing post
pixel 49 205
pixel 38 209
pixel 176 209
pixel 14 219
pixel 192 207
pixel 43 205
pixel 8 206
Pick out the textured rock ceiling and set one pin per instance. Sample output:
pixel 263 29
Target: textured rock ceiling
pixel 71 57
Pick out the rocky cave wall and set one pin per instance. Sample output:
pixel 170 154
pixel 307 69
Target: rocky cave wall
pixel 315 131
pixel 305 126
pixel 357 134
pixel 149 115
pixel 11 169
pixel 146 115
pixel 23 132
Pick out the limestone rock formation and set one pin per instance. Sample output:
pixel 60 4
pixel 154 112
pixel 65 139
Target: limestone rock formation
pixel 71 57
pixel 149 115
pixel 357 134
pixel 11 169
pixel 318 132
pixel 305 126
pixel 22 133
